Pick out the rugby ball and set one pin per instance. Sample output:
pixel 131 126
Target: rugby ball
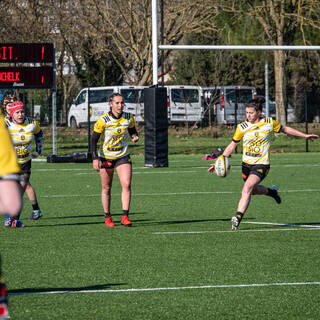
pixel 222 166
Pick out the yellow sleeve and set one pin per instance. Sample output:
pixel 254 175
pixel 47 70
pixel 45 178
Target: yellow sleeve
pixel 276 126
pixel 238 135
pixel 99 126
pixel 8 158
pixel 38 129
pixel 131 124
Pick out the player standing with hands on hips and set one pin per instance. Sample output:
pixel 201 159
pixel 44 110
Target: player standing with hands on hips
pixel 256 134
pixel 23 132
pixel 114 128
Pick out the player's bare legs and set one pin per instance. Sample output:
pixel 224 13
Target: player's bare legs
pixel 31 193
pixel 247 190
pixel 124 172
pixel 10 198
pixel 106 176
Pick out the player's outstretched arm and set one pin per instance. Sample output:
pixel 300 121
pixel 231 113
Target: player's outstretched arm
pixel 296 133
pixel 227 153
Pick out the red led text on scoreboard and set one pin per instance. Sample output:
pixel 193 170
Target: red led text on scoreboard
pixel 26 77
pixel 26 52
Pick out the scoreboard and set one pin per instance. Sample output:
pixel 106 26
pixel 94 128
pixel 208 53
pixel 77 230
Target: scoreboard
pixel 18 73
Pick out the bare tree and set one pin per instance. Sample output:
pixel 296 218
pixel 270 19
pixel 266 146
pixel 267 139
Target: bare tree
pixel 280 20
pixel 123 29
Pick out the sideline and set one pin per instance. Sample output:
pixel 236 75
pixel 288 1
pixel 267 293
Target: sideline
pixel 254 285
pixel 238 231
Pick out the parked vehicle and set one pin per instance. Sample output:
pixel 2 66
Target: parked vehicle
pixel 98 97
pixel 272 111
pixel 184 103
pixel 226 104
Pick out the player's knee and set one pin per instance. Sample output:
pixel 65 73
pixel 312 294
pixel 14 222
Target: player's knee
pixel 246 191
pixel 106 189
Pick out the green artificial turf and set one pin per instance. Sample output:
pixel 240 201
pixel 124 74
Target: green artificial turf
pixel 180 252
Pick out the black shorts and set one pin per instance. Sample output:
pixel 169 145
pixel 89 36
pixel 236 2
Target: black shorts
pixel 260 170
pixel 25 171
pixel 111 164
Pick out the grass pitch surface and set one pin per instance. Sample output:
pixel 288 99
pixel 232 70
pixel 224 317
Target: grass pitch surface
pixel 180 259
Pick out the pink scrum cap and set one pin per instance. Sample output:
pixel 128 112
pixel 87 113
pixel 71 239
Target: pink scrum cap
pixel 15 106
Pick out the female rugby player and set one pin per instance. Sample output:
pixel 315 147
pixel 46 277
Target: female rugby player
pixel 23 131
pixel 36 211
pixel 114 127
pixel 256 134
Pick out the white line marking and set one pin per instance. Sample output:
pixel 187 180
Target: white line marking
pixel 159 170
pixel 149 172
pixel 173 288
pixel 170 193
pixel 235 232
pixel 282 224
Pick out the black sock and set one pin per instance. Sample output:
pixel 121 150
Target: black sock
pixel 239 215
pixel 125 212
pixel 107 215
pixel 271 192
pixel 35 206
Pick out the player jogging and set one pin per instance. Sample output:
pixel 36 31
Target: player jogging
pixel 114 128
pixel 36 213
pixel 23 131
pixel 10 196
pixel 256 134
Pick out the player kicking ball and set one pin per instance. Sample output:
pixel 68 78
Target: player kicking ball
pixel 256 135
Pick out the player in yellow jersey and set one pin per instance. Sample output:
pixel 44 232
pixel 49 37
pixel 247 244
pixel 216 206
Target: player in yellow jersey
pixel 23 132
pixel 256 134
pixel 36 212
pixel 10 196
pixel 114 128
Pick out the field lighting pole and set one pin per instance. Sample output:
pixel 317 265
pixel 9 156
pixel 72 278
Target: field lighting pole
pixel 154 43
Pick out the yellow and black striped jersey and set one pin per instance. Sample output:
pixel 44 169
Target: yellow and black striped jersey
pixel 114 134
pixel 8 158
pixel 22 137
pixel 256 139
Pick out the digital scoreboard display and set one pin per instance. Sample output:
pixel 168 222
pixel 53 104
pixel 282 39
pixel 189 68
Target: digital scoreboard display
pixel 13 75
pixel 26 52
pixel 26 77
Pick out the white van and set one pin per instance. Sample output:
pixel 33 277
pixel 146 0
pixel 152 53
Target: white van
pixel 99 97
pixel 184 103
pixel 134 101
pixel 222 101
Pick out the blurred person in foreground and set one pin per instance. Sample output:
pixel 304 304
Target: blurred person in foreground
pixel 10 197
pixel 256 133
pixel 114 128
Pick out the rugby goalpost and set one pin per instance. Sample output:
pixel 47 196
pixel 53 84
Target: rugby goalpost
pixel 155 48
